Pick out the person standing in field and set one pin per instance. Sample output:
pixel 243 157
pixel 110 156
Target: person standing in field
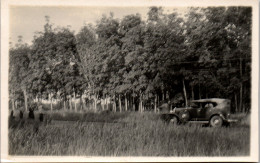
pixel 31 112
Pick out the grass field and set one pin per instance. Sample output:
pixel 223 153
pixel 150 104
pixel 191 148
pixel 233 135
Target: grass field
pixel 126 134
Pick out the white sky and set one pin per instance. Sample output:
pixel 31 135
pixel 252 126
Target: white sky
pixel 26 20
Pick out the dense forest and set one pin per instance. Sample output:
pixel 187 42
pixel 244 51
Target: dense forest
pixel 138 64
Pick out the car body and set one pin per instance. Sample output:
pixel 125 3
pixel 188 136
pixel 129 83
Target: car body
pixel 213 111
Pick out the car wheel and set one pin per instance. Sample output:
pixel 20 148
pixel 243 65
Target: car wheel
pixel 216 121
pixel 174 120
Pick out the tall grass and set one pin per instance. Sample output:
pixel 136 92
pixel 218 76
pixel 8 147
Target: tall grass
pixel 87 116
pixel 139 135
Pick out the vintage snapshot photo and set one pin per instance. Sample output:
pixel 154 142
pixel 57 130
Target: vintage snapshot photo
pixel 129 81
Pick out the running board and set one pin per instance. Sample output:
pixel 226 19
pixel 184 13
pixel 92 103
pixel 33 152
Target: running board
pixel 232 120
pixel 198 122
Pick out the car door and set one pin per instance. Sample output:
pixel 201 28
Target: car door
pixel 194 111
pixel 202 111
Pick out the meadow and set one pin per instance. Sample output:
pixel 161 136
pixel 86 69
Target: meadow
pixel 125 134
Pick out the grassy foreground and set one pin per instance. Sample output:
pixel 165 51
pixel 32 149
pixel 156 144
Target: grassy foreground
pixel 134 134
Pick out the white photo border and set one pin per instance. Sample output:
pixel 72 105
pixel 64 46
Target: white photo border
pixel 254 141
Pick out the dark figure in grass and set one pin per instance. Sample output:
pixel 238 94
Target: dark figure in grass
pixel 13 117
pixel 32 107
pixel 32 117
pixel 31 113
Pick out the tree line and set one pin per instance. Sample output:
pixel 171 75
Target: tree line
pixel 137 63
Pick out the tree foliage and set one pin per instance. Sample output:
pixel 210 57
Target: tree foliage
pixel 141 63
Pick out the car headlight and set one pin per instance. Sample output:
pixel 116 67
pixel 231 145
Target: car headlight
pixel 228 115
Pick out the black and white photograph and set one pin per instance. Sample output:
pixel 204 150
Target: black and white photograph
pixel 129 81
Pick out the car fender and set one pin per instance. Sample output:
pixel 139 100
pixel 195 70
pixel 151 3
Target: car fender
pixel 176 115
pixel 219 114
pixel 168 116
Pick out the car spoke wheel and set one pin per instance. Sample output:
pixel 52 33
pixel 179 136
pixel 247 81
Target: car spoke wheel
pixel 174 120
pixel 216 121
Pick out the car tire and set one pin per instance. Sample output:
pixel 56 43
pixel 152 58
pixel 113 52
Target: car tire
pixel 216 121
pixel 174 120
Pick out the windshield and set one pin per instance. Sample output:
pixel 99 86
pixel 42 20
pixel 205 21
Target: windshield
pixel 195 105
pixel 203 104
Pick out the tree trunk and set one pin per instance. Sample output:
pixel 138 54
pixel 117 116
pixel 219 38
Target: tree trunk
pixel 155 101
pixel 84 103
pixel 95 102
pixel 50 99
pixel 103 103
pixel 125 103
pixel 81 103
pixel 236 110
pixel 241 97
pixel 25 99
pixel 64 104
pixel 70 101
pixel 38 98
pixel 199 92
pixel 120 106
pixel 75 104
pixel 142 107
pixel 185 94
pixel 16 104
pixel 192 92
pixel 13 103
pixel 51 104
pixel 158 100
pixel 114 104
pixel 162 95
pixel 133 102
pixel 13 107
pixel 241 86
pixel 141 104
pixel 106 102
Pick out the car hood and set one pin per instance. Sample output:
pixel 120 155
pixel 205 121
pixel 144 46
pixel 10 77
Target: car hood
pixel 181 109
